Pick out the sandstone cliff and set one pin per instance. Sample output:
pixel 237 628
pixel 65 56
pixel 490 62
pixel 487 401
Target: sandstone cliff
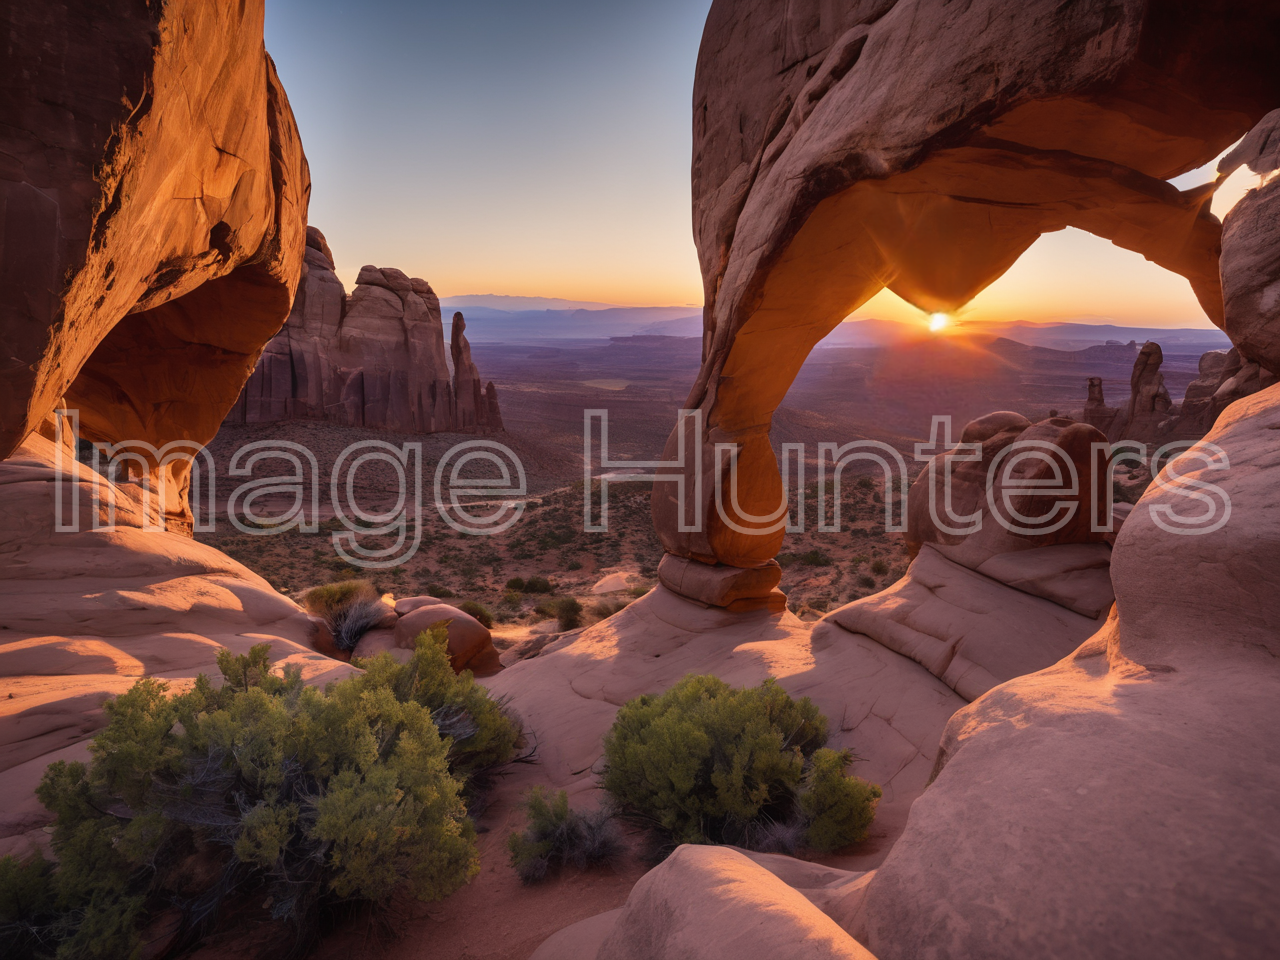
pixel 153 198
pixel 375 359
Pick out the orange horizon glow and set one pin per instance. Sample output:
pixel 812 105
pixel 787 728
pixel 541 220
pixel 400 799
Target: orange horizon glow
pixel 1066 276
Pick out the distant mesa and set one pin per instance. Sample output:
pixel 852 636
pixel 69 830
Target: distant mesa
pixel 374 359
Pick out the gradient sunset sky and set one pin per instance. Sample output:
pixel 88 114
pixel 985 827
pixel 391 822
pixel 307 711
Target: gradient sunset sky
pixel 543 149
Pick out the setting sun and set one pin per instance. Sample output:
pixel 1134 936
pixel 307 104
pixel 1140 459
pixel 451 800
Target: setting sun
pixel 939 321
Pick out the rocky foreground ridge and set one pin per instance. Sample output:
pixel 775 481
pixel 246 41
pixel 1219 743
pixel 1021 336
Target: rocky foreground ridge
pixel 375 359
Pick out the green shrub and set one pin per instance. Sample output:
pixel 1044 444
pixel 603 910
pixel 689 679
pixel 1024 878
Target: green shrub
pixel 511 599
pixel 815 558
pixel 879 568
pixel 865 581
pixel 440 592
pixel 313 796
pixel 27 906
pixel 839 809
pixel 705 763
pixel 607 608
pixel 640 591
pixel 538 585
pixel 569 613
pixel 573 565
pixel 321 601
pixel 350 609
pixel 866 483
pixel 516 583
pixel 477 610
pixel 559 836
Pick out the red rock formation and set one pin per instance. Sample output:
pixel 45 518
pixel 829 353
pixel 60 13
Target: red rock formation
pixel 1096 412
pixel 1149 403
pixel 375 359
pixel 1251 249
pixel 951 478
pixel 153 231
pixel 153 196
pixel 1151 417
pixel 841 148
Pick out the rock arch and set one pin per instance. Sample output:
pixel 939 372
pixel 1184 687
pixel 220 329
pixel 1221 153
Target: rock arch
pixel 153 215
pixel 840 148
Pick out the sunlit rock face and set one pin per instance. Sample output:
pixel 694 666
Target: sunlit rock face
pixel 1007 577
pixel 375 359
pixel 154 198
pixel 841 148
pixel 955 505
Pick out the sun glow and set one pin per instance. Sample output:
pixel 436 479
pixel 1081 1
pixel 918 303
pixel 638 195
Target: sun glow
pixel 939 322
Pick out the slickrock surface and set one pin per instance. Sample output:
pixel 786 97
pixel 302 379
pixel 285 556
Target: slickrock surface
pixel 84 615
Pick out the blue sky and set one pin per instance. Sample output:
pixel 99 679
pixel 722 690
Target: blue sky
pixel 500 147
pixel 542 149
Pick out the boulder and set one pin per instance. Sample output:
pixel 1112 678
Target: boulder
pixel 713 903
pixel 1033 505
pixel 470 643
pixel 378 641
pixel 409 604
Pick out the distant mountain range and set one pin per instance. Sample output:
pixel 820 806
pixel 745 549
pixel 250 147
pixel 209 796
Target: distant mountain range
pixel 490 324
pixel 1057 336
pixel 498 301
pixel 493 318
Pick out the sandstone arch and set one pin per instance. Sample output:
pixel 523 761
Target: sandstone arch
pixel 154 214
pixel 840 148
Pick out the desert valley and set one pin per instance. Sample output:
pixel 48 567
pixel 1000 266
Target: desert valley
pixel 842 615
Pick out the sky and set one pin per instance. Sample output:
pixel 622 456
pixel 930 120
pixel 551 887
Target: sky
pixel 542 149
pixel 495 146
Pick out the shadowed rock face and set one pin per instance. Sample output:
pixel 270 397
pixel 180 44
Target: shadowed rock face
pixel 153 201
pixel 1251 250
pixel 922 145
pixel 375 359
